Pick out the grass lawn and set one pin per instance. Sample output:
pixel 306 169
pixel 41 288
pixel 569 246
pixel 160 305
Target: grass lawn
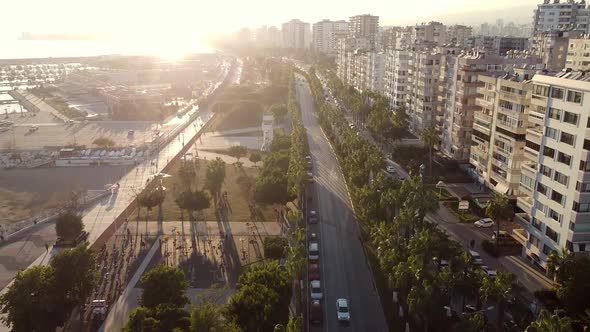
pixel 236 183
pixel 236 119
pixel 441 194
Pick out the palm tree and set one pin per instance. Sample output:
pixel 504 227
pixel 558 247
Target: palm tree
pixel 425 302
pixel 499 209
pixel 430 138
pixel 500 290
pixel 551 323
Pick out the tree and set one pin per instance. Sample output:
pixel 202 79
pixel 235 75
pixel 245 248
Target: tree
pixel 255 157
pixel 572 274
pixel 164 285
pixel 279 111
pixel 27 303
pixel 208 317
pixel 500 290
pixel 425 302
pixel 499 209
pixel 68 226
pixel 188 172
pixel 275 247
pixel 430 138
pixel 295 324
pixel 551 323
pixel 237 151
pixel 475 323
pixel 193 201
pixel 215 176
pixel 104 142
pixel 141 319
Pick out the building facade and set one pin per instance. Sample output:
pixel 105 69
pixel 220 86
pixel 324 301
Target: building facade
pixel 499 129
pixel 396 77
pixel 457 34
pixel 296 34
pixel 561 15
pixel 326 34
pixel 432 33
pixel 578 53
pixel 364 26
pixel 556 173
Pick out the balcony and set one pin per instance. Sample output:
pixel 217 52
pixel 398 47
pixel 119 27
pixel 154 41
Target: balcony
pixel 534 135
pixel 484 103
pixel 482 117
pixel 520 235
pixel 530 166
pixel 526 204
pixel 536 117
pixel 517 98
pixel 531 154
pixel 484 91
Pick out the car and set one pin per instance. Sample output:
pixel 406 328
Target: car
pixel 316 314
pixel 342 310
pixel 312 219
pixel 484 223
pixel 475 257
pixel 390 169
pixel 315 289
pixel 309 177
pixel 313 271
pixel 314 251
pixel 489 271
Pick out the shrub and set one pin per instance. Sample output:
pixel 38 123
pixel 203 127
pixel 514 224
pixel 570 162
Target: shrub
pixel 275 247
pixel 548 297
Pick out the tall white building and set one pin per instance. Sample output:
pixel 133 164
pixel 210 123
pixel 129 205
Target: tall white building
pixel 296 34
pixel 456 34
pixel 365 70
pixel 326 34
pixel 432 33
pixel 396 77
pixel 561 15
pixel 364 26
pixel 423 75
pixel 556 174
pixel 578 53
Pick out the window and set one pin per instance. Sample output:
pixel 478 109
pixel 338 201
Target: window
pixel 582 247
pixel 541 90
pixel 572 226
pixel 581 207
pixel 548 152
pixel 564 158
pixel 530 183
pixel 567 138
pixel 547 250
pixel 556 196
pixel 546 171
pixel 541 188
pixel 561 178
pixel 583 187
pixel 532 145
pixel 574 97
pixel 557 93
pixel 554 113
pixel 551 234
pixel 584 166
pixel 569 245
pixel 554 215
pixel 570 117
pixel 534 240
pixel 551 133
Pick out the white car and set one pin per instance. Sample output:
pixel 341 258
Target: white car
pixel 390 169
pixel 484 223
pixel 489 271
pixel 314 251
pixel 316 290
pixel 343 310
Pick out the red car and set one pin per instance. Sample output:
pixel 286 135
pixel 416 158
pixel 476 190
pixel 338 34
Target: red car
pixel 316 313
pixel 313 272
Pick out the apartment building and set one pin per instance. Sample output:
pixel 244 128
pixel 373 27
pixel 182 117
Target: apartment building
pixel 552 47
pixel 366 70
pixel 296 34
pixel 326 34
pixel 556 173
pixel 423 75
pixel 403 38
pixel 345 49
pixel 562 16
pixel 578 53
pixel 457 34
pixel 396 77
pixel 461 83
pixel 494 45
pixel 364 26
pixel 499 129
pixel 432 33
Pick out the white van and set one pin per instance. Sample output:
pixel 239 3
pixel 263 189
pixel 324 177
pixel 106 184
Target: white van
pixel 476 258
pixel 314 251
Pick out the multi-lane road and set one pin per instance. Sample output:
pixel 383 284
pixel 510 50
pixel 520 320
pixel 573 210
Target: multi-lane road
pixel 344 268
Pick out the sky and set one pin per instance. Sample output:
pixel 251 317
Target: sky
pixel 159 18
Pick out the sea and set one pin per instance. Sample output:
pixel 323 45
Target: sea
pixel 35 49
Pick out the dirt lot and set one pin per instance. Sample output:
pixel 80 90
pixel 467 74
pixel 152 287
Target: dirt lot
pixel 25 192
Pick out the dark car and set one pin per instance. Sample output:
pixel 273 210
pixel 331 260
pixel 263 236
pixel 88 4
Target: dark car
pixel 313 271
pixel 316 313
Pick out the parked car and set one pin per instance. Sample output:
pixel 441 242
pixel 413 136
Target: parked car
pixel 313 272
pixel 316 313
pixel 309 177
pixel 315 288
pixel 489 271
pixel 314 251
pixel 313 217
pixel 390 169
pixel 342 310
pixel 476 258
pixel 484 223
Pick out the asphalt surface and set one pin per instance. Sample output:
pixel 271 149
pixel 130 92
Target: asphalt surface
pixel 344 268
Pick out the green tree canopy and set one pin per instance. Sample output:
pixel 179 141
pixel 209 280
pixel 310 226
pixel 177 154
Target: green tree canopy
pixel 215 176
pixel 68 226
pixel 255 157
pixel 551 323
pixel 164 285
pixel 104 142
pixel 193 201
pixel 237 151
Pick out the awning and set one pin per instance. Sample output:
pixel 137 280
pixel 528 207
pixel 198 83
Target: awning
pixel 501 188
